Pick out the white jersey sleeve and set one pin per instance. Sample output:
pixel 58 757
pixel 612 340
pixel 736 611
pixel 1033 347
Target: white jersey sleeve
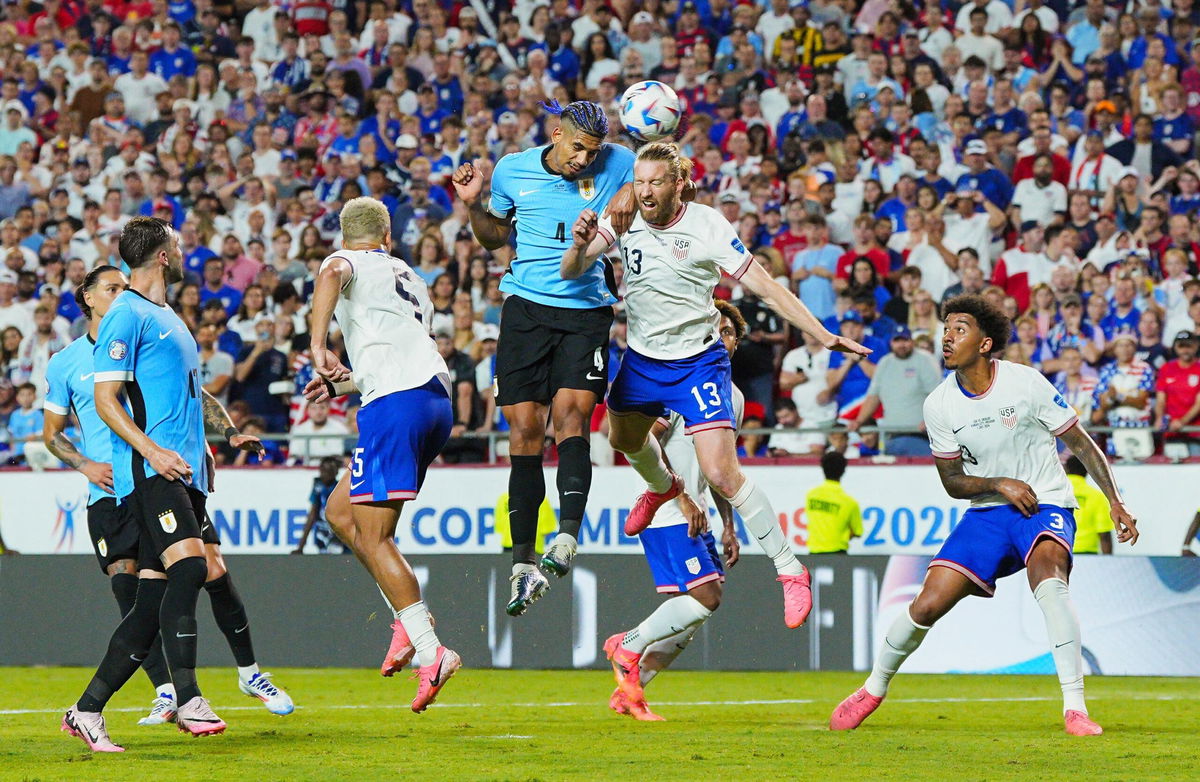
pixel 941 436
pixel 1049 406
pixel 727 249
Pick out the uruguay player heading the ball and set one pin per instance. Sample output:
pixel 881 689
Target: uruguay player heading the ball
pixel 552 354
pixel 674 256
pixel 992 426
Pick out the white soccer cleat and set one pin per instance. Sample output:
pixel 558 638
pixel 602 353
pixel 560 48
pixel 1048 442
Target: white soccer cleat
pixel 163 711
pixel 259 686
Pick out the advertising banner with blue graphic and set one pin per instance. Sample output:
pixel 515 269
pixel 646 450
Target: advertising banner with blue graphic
pixel 262 511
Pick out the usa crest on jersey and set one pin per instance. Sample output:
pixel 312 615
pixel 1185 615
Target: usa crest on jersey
pixel 681 248
pixel 587 188
pixel 1008 416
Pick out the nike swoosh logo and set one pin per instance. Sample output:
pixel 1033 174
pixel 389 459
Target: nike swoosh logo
pixel 635 231
pixel 436 680
pixel 185 635
pixel 85 377
pixel 568 494
pixel 710 415
pixel 354 486
pixel 164 334
pixel 1057 646
pixel 590 377
pixel 243 629
pixel 959 429
pixel 524 193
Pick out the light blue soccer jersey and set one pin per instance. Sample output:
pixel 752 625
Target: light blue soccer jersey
pixel 151 350
pixel 543 207
pixel 70 386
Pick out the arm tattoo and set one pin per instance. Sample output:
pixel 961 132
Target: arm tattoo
pixel 64 449
pixel 216 420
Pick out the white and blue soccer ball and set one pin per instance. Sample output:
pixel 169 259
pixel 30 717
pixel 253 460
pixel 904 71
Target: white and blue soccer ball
pixel 650 111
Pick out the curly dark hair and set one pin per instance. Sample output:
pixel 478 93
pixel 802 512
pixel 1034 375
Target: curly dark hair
pixel 991 320
pixel 735 316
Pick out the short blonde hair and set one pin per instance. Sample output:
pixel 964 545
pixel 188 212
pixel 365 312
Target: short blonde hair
pixel 666 152
pixel 365 219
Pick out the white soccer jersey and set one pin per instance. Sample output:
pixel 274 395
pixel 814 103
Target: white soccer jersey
pixel 670 274
pixel 681 453
pixel 1008 431
pixel 384 312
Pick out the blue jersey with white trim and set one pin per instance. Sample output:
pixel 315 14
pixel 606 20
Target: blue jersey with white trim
pixel 70 386
pixel 150 350
pixel 543 207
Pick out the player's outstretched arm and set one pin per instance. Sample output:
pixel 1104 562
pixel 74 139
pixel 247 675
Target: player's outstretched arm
pixel 489 230
pixel 112 412
pixel 60 445
pixel 587 243
pixel 961 486
pixel 217 421
pixel 787 306
pixel 1083 446
pixel 334 274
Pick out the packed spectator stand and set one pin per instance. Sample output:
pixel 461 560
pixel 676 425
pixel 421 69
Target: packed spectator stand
pixel 877 156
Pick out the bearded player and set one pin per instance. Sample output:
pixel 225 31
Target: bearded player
pixel 993 426
pixel 674 255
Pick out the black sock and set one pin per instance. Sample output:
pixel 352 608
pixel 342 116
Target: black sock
pixel 178 620
pixel 124 589
pixel 526 490
pixel 125 586
pixel 128 646
pixel 230 613
pixel 574 483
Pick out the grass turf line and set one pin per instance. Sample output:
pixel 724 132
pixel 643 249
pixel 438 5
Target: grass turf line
pixel 505 725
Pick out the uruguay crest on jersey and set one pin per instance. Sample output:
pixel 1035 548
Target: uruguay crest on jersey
pixel 587 188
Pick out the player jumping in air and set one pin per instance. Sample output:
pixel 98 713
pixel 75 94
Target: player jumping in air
pixel 553 349
pixel 384 312
pixel 674 254
pixel 145 354
pixel 680 549
pixel 992 425
pixel 111 527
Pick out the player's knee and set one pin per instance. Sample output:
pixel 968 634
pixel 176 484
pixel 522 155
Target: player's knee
pixel 621 441
pixel 726 481
pixel 189 570
pixel 339 518
pixel 708 595
pixel 122 566
pixel 926 609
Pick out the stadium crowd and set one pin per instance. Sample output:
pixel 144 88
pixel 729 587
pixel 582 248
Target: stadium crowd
pixel 879 156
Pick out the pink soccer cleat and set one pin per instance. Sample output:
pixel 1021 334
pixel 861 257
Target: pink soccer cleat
pixel 400 653
pixel 89 726
pixel 431 678
pixel 197 718
pixel 1079 724
pixel 851 712
pixel 647 504
pixel 626 670
pixel 797 599
pixel 639 711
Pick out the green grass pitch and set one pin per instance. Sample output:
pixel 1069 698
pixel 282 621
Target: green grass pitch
pixel 555 725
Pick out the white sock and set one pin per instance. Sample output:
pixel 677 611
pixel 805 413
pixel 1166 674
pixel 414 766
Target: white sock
pixel 419 626
pixel 756 511
pixel 660 654
pixel 245 673
pixel 563 539
pixel 902 639
pixel 1062 626
pixel 168 691
pixel 672 617
pixel 648 461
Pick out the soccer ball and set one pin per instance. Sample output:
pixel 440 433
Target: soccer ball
pixel 650 111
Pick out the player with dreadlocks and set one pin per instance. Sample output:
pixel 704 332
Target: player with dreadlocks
pixel 552 355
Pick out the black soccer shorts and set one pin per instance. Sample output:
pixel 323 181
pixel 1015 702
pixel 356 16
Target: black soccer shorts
pixel 543 349
pixel 114 532
pixel 167 512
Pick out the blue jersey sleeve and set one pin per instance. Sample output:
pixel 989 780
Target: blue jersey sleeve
pixel 501 202
pixel 58 395
pixel 115 355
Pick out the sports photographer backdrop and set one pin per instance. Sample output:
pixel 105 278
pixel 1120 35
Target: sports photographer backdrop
pixel 1139 613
